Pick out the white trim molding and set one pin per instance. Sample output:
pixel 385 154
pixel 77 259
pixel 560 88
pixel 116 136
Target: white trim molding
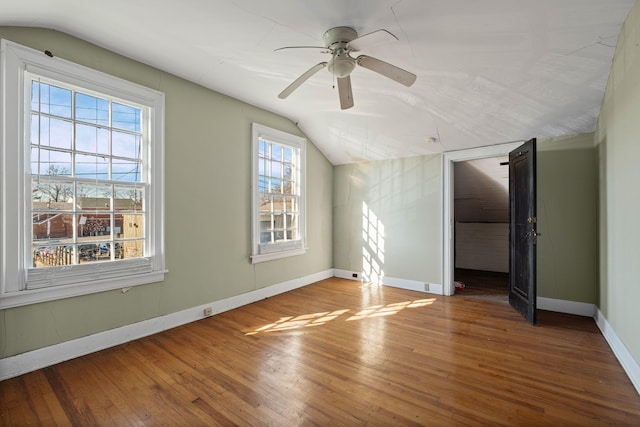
pixel 347 274
pixel 622 353
pixel 413 285
pixel 30 361
pixel 568 307
pixel 394 282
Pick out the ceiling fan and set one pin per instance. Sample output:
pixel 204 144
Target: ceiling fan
pixel 340 42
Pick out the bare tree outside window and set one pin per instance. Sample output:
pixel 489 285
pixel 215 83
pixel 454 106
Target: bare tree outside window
pixel 51 191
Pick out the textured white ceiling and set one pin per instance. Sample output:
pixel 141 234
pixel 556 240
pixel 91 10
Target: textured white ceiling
pixel 489 71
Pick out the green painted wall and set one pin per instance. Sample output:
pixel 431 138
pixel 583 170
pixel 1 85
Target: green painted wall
pixel 618 139
pixel 208 199
pixel 567 219
pixel 405 196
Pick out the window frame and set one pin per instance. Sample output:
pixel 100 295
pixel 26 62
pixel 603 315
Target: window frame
pixel 16 63
pixel 267 252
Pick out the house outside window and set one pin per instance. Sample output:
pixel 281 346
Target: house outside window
pixel 83 169
pixel 278 208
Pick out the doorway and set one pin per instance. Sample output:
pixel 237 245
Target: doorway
pixel 481 228
pixel 449 223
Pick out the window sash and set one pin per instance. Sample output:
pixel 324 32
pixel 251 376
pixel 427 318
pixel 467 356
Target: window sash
pixel 73 180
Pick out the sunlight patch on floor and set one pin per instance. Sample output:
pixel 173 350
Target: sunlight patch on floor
pixel 321 318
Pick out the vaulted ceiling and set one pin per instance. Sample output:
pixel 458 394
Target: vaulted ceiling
pixel 488 71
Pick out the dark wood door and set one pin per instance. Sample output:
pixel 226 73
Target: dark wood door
pixel 522 230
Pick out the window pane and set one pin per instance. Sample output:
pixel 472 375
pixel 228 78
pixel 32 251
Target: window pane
pixel 288 171
pixel 278 222
pixel 132 226
pixel 263 184
pixel 126 145
pixel 125 117
pixel 278 204
pixel 287 187
pixel 50 99
pixel 265 237
pixel 288 154
pixel 262 148
pixel 87 252
pixel 50 132
pixel 128 199
pixel 126 170
pixel 265 204
pixel 276 169
pixel 49 162
pixel 55 196
pixel 95 224
pixel 93 197
pixel 130 249
pixel 94 252
pixel 278 236
pixel 292 221
pixel 91 109
pixel 276 186
pixel 265 221
pixel 92 167
pixel 262 167
pixel 52 225
pixel 291 205
pixel 92 139
pixel 276 152
pixel 52 255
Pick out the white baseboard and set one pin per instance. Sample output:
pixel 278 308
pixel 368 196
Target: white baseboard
pixel 568 307
pixel 30 361
pixel 411 285
pixel 622 353
pixel 347 274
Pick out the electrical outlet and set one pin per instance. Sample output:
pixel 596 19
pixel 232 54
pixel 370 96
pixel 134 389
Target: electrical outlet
pixel 426 287
pixel 354 275
pixel 208 311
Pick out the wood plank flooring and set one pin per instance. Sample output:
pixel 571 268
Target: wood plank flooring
pixel 483 284
pixel 341 353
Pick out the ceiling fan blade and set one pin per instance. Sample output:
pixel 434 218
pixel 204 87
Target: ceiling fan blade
pixel 345 92
pixel 301 47
pixel 371 39
pixel 303 78
pixel 391 71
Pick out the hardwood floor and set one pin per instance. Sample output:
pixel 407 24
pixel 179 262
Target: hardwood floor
pixel 483 284
pixel 341 353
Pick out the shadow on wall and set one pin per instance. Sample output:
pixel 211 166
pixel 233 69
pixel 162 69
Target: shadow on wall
pixel 481 190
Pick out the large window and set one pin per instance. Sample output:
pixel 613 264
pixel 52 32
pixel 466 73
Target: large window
pixel 278 194
pixel 83 177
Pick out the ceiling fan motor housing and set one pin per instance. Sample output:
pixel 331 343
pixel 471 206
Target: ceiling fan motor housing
pixel 338 37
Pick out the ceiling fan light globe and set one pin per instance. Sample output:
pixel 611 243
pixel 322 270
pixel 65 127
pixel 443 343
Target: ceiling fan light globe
pixel 341 67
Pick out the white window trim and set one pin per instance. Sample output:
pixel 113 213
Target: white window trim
pixel 286 249
pixel 15 60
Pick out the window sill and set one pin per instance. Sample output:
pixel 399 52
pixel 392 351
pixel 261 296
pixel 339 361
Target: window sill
pixel 20 298
pixel 255 259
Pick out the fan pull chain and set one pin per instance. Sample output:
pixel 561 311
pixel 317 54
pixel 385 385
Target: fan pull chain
pixel 333 73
